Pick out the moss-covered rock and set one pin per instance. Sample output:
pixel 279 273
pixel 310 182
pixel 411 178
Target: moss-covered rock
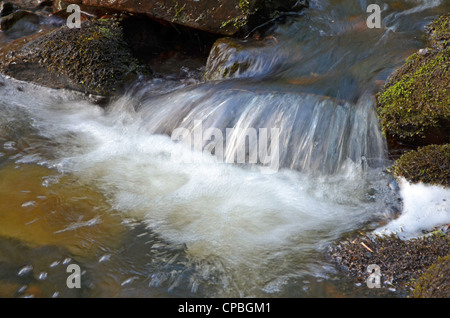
pixel 430 164
pixel 435 282
pixel 414 104
pixel 94 59
pixel 439 32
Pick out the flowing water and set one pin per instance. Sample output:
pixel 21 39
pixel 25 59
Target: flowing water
pixel 145 215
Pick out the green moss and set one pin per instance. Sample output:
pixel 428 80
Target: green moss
pixel 417 97
pixel 244 5
pixel 178 11
pixel 242 20
pixel 439 31
pixel 435 282
pixel 430 164
pixel 95 57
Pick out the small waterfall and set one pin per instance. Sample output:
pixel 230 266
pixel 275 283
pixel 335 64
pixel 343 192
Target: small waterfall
pixel 304 132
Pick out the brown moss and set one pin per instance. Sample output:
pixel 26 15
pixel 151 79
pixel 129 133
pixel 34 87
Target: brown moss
pixel 430 164
pixel 435 282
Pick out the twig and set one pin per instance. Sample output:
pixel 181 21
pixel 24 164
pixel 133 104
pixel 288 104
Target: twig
pixel 366 247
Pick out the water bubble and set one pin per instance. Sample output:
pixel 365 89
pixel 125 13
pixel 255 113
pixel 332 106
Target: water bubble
pixel 29 204
pixel 42 276
pixel 25 270
pixel 104 258
pixel 10 145
pixel 54 264
pixel 128 281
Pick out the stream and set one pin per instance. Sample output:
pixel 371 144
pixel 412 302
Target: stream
pixel 147 212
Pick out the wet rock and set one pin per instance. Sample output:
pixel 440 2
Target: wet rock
pixel 166 49
pixel 235 58
pixel 430 165
pixel 439 32
pixel 40 208
pixel 435 282
pixel 94 59
pixel 413 105
pixel 36 271
pixel 226 17
pixel 19 20
pixel 6 8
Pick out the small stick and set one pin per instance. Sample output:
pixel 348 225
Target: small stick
pixel 366 247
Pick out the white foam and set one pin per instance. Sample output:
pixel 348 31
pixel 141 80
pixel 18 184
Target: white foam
pixel 424 207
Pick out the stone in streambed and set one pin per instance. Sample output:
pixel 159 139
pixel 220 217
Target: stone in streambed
pixel 236 58
pixel 40 207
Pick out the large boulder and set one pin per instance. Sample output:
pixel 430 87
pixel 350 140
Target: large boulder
pixel 414 104
pixel 226 17
pixel 94 59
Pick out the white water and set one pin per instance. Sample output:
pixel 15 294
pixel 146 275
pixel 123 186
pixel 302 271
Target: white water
pixel 242 231
pixel 424 207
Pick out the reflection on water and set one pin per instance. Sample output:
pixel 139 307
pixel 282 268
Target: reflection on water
pixel 97 187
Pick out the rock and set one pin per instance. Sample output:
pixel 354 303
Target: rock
pixel 37 271
pixel 6 8
pixel 429 164
pixel 226 17
pixel 439 32
pixel 94 59
pixel 233 58
pixel 414 104
pixel 40 207
pixel 19 20
pixel 435 282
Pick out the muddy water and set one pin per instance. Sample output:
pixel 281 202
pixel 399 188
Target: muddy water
pixel 104 188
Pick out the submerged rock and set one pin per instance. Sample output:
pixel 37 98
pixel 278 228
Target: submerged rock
pixel 226 17
pixel 414 104
pixel 94 59
pixel 39 210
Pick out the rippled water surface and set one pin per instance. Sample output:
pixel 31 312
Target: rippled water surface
pixel 145 216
